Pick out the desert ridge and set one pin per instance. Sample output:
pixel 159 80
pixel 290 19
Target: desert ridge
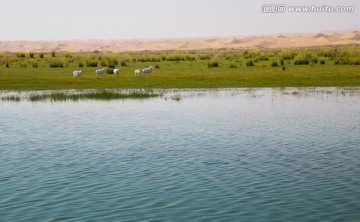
pixel 250 42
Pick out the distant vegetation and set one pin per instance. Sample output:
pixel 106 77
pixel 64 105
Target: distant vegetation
pixel 313 66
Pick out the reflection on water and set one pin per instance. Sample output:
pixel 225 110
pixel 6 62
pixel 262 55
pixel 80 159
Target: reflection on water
pixel 218 155
pixel 174 94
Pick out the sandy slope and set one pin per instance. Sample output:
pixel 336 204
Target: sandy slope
pixel 273 41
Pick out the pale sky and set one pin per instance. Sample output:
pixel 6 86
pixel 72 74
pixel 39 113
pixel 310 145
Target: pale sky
pixel 152 19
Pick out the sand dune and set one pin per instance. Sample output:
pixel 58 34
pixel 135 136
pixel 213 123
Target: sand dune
pixel 270 41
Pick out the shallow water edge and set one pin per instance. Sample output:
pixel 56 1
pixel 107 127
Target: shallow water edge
pixel 172 94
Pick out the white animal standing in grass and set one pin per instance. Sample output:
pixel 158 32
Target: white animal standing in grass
pixel 77 73
pixel 148 70
pixel 137 72
pixel 100 71
pixel 116 72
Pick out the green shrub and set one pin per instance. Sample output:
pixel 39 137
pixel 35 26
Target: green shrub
pixel 23 65
pixel 281 61
pixel 314 60
pixel 189 58
pixel 301 62
pixel 175 58
pixel 249 55
pixel 35 65
pixel 274 63
pixel 113 62
pixel 20 55
pixel 355 61
pixel 68 55
pixel 213 63
pixel 322 61
pixel 204 57
pixel 347 56
pixel 53 53
pixel 232 65
pixel 155 59
pixel 109 71
pixel 287 55
pixel 262 57
pixel 157 67
pixel 111 65
pixel 103 63
pixel 246 54
pixel 81 64
pixel 41 55
pixel 56 64
pixel 326 52
pixel 123 63
pixel 302 58
pixel 7 65
pixel 31 54
pixel 249 63
pixel 91 63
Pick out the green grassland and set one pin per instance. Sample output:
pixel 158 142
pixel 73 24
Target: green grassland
pixel 303 67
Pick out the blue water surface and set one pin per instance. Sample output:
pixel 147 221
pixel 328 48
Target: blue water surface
pixel 249 156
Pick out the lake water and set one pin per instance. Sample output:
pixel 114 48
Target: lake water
pixel 225 155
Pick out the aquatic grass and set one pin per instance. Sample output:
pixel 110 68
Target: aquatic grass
pixel 176 97
pixel 98 95
pixel 12 98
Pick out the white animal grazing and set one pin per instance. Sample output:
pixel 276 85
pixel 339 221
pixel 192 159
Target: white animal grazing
pixel 77 73
pixel 148 70
pixel 116 72
pixel 137 72
pixel 100 71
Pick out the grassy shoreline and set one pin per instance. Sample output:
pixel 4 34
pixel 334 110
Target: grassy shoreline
pixel 314 67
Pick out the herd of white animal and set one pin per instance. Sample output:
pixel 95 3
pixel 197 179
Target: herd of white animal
pixel 116 72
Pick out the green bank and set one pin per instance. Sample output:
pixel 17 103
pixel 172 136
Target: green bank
pixel 304 67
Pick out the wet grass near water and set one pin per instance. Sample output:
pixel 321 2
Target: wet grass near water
pixel 96 95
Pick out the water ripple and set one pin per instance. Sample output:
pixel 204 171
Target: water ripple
pixel 267 156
